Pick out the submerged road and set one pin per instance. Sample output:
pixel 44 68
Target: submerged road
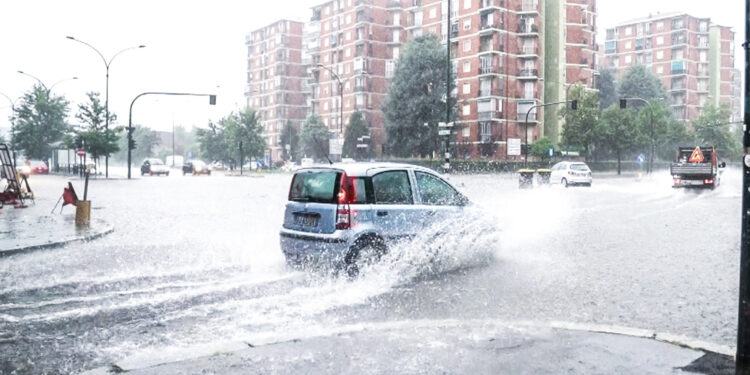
pixel 195 260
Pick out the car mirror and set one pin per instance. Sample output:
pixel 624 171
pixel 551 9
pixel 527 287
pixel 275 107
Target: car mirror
pixel 722 164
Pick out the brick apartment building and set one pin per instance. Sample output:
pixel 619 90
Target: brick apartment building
pixel 693 58
pixel 498 54
pixel 275 80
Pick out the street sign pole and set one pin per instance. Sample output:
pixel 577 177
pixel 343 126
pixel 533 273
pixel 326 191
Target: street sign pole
pixel 742 358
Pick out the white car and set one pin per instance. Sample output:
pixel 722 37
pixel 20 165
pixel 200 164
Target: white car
pixel 571 173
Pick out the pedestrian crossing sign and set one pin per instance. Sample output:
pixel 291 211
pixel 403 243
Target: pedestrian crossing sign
pixel 696 156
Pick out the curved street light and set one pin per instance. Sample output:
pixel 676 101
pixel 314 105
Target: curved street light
pixel 106 97
pixel 47 89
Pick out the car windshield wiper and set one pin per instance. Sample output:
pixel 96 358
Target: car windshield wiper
pixel 302 199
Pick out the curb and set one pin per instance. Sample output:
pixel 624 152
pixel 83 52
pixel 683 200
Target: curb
pixel 107 229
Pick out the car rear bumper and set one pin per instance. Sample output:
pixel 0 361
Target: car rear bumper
pixel 310 248
pixel 579 180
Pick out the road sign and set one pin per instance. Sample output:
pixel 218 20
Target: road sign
pixel 361 145
pixel 551 152
pixel 81 151
pixel 514 146
pixel 640 159
pixel 444 125
pixel 335 146
pixel 444 132
pixel 696 156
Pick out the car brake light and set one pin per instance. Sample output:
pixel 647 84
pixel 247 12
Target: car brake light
pixel 708 181
pixel 676 181
pixel 346 196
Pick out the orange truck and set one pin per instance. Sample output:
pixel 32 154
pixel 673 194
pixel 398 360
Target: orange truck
pixel 696 167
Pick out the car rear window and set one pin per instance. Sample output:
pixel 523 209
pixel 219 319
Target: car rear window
pixel 314 186
pixel 579 167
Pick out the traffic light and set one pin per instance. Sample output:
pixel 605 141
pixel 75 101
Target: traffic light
pixel 131 144
pixel 212 99
pixel 574 104
pixel 623 103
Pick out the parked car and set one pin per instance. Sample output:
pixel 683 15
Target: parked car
pixel 154 166
pixel 32 167
pixel 571 173
pixel 348 214
pixel 195 167
pixel 218 166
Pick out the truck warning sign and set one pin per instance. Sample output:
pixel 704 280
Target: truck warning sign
pixel 696 156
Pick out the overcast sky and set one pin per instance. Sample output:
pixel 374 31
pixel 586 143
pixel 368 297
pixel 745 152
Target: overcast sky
pixel 192 46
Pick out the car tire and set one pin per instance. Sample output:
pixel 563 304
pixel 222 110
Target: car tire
pixel 167 174
pixel 365 251
pixel 564 181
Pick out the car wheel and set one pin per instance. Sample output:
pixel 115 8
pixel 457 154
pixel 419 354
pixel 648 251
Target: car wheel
pixel 365 251
pixel 142 173
pixel 564 182
pixel 150 173
pixel 167 174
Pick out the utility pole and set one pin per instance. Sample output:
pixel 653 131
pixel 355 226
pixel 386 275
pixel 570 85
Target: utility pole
pixel 448 69
pixel 742 358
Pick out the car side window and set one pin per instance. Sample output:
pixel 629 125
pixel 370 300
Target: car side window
pixel 392 187
pixel 436 192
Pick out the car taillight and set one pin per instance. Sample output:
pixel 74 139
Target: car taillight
pixel 708 181
pixel 676 181
pixel 346 196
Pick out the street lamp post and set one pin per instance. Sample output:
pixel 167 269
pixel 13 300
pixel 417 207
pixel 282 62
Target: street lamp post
pixel 106 97
pixel 211 101
pixel 341 96
pixel 574 106
pixel 47 89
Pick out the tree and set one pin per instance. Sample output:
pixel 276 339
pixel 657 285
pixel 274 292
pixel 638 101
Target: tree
pixel 712 129
pixel 417 96
pixel 607 88
pixel 356 129
pixel 212 143
pixel 579 129
pixel 40 122
pixel 619 132
pixel 314 139
pixel 98 140
pixel 540 147
pixel 244 127
pixel 676 135
pixel 290 136
pixel 639 82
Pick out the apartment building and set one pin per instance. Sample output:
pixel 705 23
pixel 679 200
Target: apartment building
pixel 276 80
pixel 693 58
pixel 501 65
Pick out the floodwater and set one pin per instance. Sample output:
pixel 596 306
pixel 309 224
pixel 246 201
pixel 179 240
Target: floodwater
pixel 195 261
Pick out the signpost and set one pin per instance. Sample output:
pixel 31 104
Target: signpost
pixel 444 129
pixel 514 146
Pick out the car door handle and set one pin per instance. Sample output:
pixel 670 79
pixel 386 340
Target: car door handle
pixel 382 213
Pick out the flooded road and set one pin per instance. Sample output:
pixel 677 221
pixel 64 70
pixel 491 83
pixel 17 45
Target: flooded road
pixel 195 260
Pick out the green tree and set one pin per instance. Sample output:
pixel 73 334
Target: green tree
pixel 676 135
pixel 712 128
pixel 579 129
pixel 618 132
pixel 417 96
pixel 314 139
pixel 244 127
pixel 212 143
pixel 39 122
pixel 145 140
pixel 639 82
pixel 290 136
pixel 357 128
pixel 98 140
pixel 607 88
pixel 540 147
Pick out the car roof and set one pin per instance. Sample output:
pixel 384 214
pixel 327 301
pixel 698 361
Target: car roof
pixel 365 168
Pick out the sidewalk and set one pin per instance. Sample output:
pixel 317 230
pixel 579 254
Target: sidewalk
pixel 447 346
pixel 34 227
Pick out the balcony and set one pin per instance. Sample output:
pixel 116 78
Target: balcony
pixel 488 115
pixel 490 48
pixel 490 4
pixel 528 73
pixel 521 117
pixel 489 69
pixel 497 91
pixel 528 29
pixel 486 138
pixel 529 50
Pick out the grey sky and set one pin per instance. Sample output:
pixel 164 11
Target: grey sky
pixel 192 46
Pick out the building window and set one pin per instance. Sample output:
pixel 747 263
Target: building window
pixel 467 24
pixel 467 4
pixel 433 12
pixel 659 40
pixel 396 52
pixel 628 59
pixel 348 35
pixel 466 132
pixel 467 45
pixel 466 110
pixel 703 56
pixel 389 68
pixel 467 67
pixel 660 25
pixel 467 88
pixel 628 45
pixel 628 31
pixel 528 90
pixel 659 55
pixel 348 19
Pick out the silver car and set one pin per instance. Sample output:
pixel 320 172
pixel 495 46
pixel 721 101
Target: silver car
pixel 571 173
pixel 348 214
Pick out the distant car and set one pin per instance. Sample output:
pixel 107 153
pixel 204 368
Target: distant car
pixel 569 173
pixel 154 166
pixel 218 166
pixel 348 214
pixel 195 167
pixel 32 167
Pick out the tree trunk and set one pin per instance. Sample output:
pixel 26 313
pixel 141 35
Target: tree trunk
pixel 618 162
